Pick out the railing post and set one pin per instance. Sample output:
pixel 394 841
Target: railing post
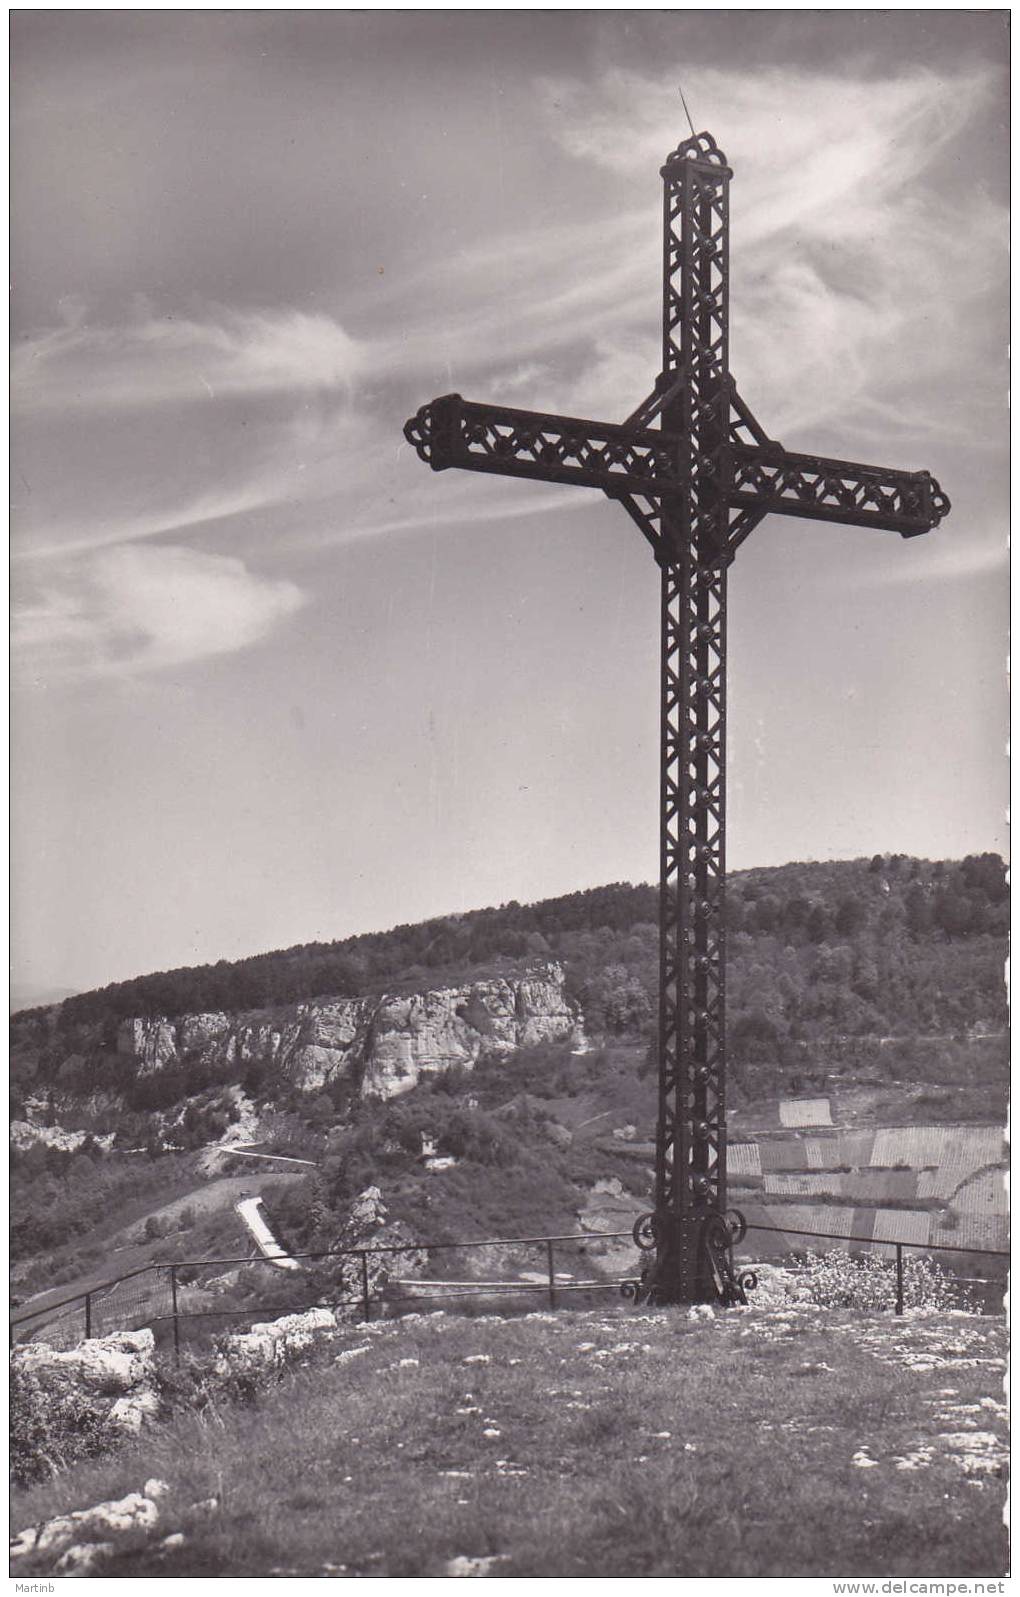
pixel 552 1272
pixel 88 1316
pixel 366 1301
pixel 176 1316
pixel 899 1278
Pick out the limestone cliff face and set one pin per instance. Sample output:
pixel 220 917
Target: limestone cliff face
pixel 151 1043
pixel 381 1046
pixel 429 1032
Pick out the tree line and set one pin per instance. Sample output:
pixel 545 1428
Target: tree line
pixel 876 929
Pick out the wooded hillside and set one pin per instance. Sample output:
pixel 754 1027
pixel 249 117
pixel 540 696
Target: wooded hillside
pixel 891 946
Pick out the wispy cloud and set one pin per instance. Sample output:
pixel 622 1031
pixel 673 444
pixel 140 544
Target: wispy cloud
pixel 845 254
pixel 846 261
pixel 840 264
pixel 531 302
pixel 473 503
pixel 818 135
pixel 141 608
pixel 165 359
pixel 980 554
pixel 302 455
pixel 93 529
pixel 821 335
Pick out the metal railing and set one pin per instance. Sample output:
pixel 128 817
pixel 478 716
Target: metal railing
pixel 83 1310
pixel 152 1293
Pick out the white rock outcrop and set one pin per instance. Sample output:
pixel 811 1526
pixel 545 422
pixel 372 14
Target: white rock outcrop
pixel 130 1412
pixel 56 1538
pixel 196 1032
pixel 24 1134
pixel 108 1365
pixel 274 1342
pixel 367 1225
pixel 427 1033
pixel 116 1375
pixel 151 1042
pixel 381 1046
pixel 69 1545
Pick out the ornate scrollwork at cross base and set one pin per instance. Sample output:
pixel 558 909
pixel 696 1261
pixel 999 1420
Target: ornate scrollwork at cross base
pixel 644 1232
pixel 719 1233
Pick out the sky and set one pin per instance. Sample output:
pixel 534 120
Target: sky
pixel 273 680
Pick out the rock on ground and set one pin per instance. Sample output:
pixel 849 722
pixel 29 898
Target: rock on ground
pixel 58 1539
pixel 105 1365
pixel 274 1342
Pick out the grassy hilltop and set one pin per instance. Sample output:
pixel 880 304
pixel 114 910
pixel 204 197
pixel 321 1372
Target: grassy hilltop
pixel 607 1443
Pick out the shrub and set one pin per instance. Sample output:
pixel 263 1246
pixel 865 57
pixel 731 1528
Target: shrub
pixel 839 1280
pixel 52 1426
pixel 198 1384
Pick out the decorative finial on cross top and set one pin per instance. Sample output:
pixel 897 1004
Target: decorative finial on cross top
pixel 697 472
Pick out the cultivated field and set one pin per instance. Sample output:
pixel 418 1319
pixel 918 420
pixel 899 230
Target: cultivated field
pixel 940 1185
pixel 611 1442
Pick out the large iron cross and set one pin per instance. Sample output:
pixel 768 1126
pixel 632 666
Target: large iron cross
pixel 696 472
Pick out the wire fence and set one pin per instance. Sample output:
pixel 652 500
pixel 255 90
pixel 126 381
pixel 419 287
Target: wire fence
pixel 172 1294
pixel 123 1304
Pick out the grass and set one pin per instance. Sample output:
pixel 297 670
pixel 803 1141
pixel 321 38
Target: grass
pixel 627 1443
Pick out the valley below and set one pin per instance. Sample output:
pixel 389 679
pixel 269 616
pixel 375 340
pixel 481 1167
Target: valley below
pixel 493 1077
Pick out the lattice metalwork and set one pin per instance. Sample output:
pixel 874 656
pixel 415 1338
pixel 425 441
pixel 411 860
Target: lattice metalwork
pixel 690 1176
pixel 747 480
pixel 696 472
pixel 523 443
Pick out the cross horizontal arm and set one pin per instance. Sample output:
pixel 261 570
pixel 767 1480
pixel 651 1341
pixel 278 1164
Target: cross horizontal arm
pixel 625 460
pixel 769 478
pixel 452 431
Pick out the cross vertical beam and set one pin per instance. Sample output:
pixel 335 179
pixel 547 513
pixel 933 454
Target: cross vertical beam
pixel 690 1182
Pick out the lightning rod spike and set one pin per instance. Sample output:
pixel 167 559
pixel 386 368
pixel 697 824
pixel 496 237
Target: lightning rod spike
pixel 683 102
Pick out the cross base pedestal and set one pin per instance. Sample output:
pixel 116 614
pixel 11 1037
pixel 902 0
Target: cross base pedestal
pixel 693 1258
